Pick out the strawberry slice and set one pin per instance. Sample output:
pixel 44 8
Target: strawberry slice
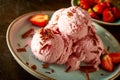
pixel 115 57
pixel 106 63
pixel 39 20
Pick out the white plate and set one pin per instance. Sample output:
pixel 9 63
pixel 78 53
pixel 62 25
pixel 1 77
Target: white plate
pixel 27 61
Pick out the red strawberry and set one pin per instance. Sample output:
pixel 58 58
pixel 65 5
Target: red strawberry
pixel 93 14
pixel 115 57
pixel 84 4
pixel 98 1
pixel 98 9
pixel 108 4
pixel 116 12
pixel 108 16
pixel 39 20
pixel 106 63
pixel 105 5
pixel 91 2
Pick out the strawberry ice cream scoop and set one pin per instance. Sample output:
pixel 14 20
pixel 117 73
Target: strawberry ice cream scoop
pixel 87 50
pixel 72 22
pixel 55 17
pixel 52 24
pixel 47 46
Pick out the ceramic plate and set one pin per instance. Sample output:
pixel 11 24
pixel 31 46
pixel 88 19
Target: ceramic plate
pixel 75 3
pixel 14 41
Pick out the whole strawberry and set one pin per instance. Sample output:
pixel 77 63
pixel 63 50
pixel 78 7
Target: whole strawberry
pixel 91 2
pixel 93 14
pixel 108 15
pixel 98 8
pixel 84 4
pixel 116 12
pixel 105 4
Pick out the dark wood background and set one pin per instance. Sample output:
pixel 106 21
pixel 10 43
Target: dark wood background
pixel 11 9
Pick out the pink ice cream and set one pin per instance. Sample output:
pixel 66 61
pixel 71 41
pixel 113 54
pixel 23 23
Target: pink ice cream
pixel 47 46
pixel 72 22
pixel 74 40
pixel 87 50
